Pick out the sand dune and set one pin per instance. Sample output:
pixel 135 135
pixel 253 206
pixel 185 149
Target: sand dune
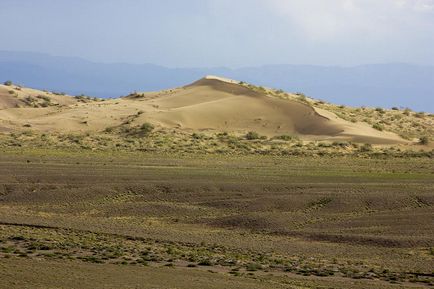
pixel 15 97
pixel 209 104
pixel 221 105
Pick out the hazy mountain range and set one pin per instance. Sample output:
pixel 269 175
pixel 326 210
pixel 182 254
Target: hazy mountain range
pixel 387 85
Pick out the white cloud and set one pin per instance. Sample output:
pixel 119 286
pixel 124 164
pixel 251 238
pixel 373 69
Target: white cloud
pixel 320 20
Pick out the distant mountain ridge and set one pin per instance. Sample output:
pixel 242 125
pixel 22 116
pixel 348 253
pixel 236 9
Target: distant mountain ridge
pixel 386 85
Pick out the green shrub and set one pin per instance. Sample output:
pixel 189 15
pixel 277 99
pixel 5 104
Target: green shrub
pixel 253 267
pixel 146 128
pixel 251 135
pixel 8 83
pixel 286 137
pixel 378 126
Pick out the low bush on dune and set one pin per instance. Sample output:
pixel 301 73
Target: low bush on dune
pixel 301 97
pixel 109 129
pixel 342 144
pixel 406 111
pixel 8 83
pixel 380 110
pixel 378 126
pixel 424 140
pixel 146 128
pixel 197 136
pixel 286 137
pixel 366 148
pixel 420 114
pixel 252 135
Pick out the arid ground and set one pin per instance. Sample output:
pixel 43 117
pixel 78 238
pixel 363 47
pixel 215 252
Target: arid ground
pixel 88 219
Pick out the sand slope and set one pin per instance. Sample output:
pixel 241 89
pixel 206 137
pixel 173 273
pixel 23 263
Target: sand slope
pixel 209 104
pixel 15 97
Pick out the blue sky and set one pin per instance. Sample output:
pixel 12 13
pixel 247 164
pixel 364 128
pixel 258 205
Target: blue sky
pixel 203 33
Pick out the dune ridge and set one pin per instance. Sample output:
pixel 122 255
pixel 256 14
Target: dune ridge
pixel 213 104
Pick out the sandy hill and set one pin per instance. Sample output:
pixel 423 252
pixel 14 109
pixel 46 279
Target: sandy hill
pixel 211 104
pixel 13 96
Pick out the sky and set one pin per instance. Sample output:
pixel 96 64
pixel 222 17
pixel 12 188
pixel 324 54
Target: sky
pixel 216 33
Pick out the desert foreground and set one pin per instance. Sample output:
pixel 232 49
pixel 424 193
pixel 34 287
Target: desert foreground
pixel 138 220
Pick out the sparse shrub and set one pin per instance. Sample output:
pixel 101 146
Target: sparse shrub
pixel 324 145
pixel 379 110
pixel 222 134
pixel 378 126
pixel 205 262
pixel 197 136
pixel 146 128
pixel 251 135
pixel 405 136
pixel 44 97
pixel 286 137
pixel 253 267
pixel 395 108
pixel 109 129
pixel 366 147
pixel 45 104
pixel 424 140
pixel 342 144
pixel 8 83
pixel 420 114
pixel 301 97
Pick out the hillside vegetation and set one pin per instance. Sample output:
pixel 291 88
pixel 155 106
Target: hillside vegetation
pixel 212 115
